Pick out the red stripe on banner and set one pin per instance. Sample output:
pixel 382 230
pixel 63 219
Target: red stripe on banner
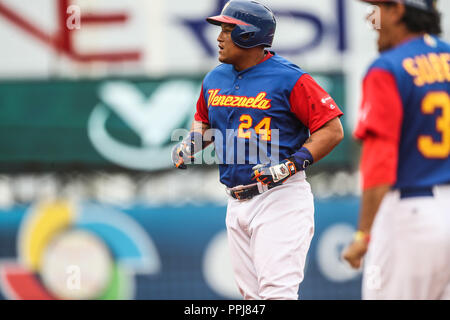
pixel 106 18
pixel 108 57
pixel 25 25
pixel 62 41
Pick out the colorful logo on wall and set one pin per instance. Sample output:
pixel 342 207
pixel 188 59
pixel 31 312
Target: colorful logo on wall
pixel 88 251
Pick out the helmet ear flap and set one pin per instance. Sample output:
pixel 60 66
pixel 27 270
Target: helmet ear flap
pixel 246 36
pixel 243 35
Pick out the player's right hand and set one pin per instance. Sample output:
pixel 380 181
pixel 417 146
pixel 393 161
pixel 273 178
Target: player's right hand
pixel 182 154
pixel 356 251
pixel 274 175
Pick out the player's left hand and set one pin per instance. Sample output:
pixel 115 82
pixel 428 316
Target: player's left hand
pixel 182 155
pixel 355 253
pixel 277 174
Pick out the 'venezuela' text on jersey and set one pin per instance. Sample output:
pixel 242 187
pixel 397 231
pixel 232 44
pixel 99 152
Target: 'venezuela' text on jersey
pixel 407 101
pixel 273 105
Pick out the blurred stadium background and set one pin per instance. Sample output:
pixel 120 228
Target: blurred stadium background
pixel 90 93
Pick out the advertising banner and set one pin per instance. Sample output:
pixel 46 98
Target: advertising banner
pixel 89 250
pixel 109 124
pixel 67 37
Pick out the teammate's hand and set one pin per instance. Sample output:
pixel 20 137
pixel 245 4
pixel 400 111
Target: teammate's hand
pixel 182 154
pixel 277 174
pixel 355 252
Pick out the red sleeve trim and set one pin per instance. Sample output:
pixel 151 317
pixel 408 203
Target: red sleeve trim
pixel 379 128
pixel 381 111
pixel 312 105
pixel 379 160
pixel 266 57
pixel 202 109
pixel 328 117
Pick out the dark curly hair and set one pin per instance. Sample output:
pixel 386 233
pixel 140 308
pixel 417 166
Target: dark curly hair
pixel 417 20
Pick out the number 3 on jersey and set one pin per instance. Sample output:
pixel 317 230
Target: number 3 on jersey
pixel 262 128
pixel 427 146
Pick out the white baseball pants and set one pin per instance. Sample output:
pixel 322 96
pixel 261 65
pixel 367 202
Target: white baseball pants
pixel 269 237
pixel 409 253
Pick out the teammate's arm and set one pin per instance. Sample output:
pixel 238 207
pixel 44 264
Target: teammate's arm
pixel 371 200
pixel 378 172
pixel 372 196
pixel 379 130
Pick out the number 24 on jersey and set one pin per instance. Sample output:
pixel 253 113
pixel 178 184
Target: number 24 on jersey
pixel 262 128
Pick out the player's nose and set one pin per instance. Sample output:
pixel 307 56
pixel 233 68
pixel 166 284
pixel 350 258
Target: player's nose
pixel 221 38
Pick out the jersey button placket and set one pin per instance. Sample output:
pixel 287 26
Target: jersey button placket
pixel 237 87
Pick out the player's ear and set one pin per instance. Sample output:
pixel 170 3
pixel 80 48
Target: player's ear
pixel 398 11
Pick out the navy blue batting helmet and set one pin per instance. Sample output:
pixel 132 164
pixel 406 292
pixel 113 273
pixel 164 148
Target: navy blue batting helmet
pixel 255 24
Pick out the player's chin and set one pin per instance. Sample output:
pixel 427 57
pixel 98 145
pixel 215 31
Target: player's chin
pixel 382 47
pixel 383 43
pixel 223 58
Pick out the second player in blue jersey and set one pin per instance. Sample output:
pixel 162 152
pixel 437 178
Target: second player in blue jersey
pixel 404 127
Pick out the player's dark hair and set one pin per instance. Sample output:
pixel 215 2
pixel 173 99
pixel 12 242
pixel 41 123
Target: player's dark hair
pixel 417 20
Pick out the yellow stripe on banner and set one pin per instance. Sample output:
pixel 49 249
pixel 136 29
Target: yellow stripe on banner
pixel 40 225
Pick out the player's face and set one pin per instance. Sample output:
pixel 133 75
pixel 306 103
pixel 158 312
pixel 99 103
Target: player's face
pixel 390 16
pixel 385 30
pixel 228 51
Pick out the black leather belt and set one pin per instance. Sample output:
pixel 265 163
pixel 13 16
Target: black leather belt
pixel 246 193
pixel 416 192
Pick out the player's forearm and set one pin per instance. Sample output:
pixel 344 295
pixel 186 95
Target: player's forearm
pixel 201 127
pixel 198 126
pixel 324 140
pixel 370 203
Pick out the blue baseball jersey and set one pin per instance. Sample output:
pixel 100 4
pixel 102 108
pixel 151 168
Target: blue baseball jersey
pixel 406 103
pixel 262 114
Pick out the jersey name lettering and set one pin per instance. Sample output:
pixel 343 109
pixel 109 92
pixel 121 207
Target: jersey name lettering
pixel 428 69
pixel 258 102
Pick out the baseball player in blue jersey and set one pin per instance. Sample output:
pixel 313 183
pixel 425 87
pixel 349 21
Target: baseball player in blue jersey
pixel 258 101
pixel 404 126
